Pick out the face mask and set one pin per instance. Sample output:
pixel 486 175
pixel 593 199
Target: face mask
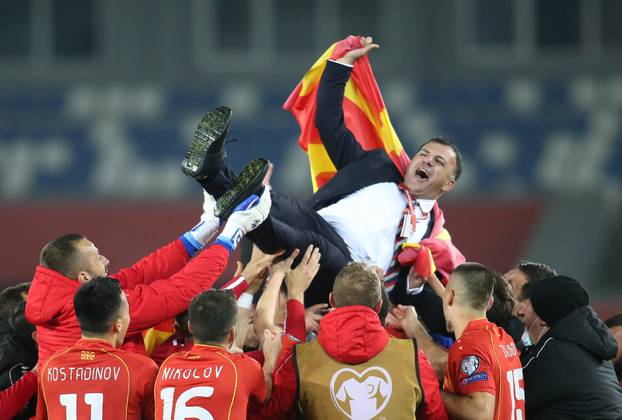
pixel 526 339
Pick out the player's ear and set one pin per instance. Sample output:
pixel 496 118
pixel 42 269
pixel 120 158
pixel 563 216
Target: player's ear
pixel 449 185
pixel 190 328
pixel 83 277
pixel 450 294
pixel 34 337
pixel 378 306
pixel 232 334
pixel 118 325
pixel 331 300
pixel 490 302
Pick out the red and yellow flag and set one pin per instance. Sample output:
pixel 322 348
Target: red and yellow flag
pixel 158 334
pixel 364 113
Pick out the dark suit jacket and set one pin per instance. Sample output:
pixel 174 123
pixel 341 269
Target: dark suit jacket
pixel 358 169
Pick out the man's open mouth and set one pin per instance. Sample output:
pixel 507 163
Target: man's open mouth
pixel 422 174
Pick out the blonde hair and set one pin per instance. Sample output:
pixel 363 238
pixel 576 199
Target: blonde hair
pixel 357 284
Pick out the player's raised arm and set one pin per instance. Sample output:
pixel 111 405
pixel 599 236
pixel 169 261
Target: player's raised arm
pixel 340 143
pixel 168 260
pixel 267 305
pixel 173 295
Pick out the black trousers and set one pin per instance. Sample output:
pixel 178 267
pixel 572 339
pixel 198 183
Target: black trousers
pixel 293 224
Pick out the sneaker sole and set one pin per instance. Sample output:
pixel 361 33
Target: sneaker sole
pixel 212 127
pixel 247 183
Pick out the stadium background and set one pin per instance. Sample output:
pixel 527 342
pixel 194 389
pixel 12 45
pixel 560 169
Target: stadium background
pixel 99 99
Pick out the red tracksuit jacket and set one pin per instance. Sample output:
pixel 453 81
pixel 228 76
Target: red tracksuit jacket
pixel 158 287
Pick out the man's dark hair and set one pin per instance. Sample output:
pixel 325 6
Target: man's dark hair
pixel 448 142
pixel 10 298
pixel 21 330
pixel 211 315
pixel 97 304
pixel 356 284
pixel 477 284
pixel 61 255
pixel 614 321
pixel 535 271
pixel 501 309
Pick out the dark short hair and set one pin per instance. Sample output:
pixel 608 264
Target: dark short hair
pixel 10 298
pixel 20 329
pixel 61 255
pixel 211 315
pixel 614 321
pixel 448 142
pixel 535 271
pixel 477 284
pixel 97 304
pixel 503 303
pixel 356 284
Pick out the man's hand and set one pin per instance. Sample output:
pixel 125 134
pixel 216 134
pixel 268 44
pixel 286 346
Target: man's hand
pixel 299 279
pixel 257 267
pixel 414 279
pixel 245 217
pixel 407 318
pixel 313 314
pixel 283 267
pixel 271 345
pixel 251 212
pixel 352 56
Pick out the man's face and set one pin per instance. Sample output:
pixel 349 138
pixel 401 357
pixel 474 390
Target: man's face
pixel 517 280
pixel 124 319
pixel 527 314
pixel 431 171
pixel 93 263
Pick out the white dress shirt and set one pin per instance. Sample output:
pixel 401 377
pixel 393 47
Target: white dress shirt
pixel 368 220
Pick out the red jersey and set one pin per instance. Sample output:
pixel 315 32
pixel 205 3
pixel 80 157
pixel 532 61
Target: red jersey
pixel 485 359
pixel 92 379
pixel 208 382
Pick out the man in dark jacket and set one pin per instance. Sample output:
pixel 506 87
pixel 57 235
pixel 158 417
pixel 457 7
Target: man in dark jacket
pixel 19 356
pixel 10 299
pixel 367 190
pixel 568 374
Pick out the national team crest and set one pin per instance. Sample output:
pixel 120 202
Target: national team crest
pixel 361 396
pixel 87 355
pixel 469 365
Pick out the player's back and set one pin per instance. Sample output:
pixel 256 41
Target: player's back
pixel 93 380
pixel 207 382
pixel 485 359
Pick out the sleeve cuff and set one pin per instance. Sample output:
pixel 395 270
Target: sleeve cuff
pixel 192 245
pixel 414 290
pixel 342 64
pixel 237 286
pixel 225 242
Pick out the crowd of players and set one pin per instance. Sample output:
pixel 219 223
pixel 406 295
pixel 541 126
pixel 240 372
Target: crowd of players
pixel 318 323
